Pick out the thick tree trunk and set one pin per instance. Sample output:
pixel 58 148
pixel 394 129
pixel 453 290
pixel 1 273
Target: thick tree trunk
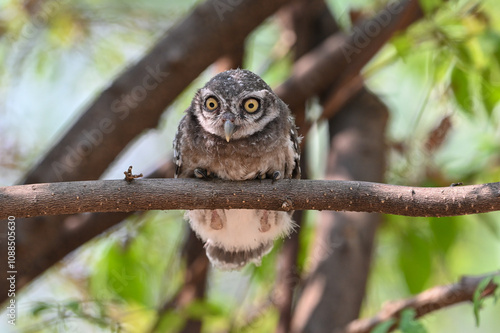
pixel 340 261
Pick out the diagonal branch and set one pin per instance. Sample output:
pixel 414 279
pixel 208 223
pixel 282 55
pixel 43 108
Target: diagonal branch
pixel 340 58
pixel 428 301
pixel 285 195
pixel 137 98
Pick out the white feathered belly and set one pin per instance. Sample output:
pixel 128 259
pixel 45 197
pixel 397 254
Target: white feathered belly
pixel 242 229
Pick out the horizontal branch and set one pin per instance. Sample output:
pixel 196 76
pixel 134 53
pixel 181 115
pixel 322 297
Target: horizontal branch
pixel 165 194
pixel 428 301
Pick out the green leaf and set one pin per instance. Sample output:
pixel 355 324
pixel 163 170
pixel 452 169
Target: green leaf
pixel 74 306
pixel 199 309
pixel 496 295
pixel 383 327
pixel 120 273
pixel 408 323
pixel 490 93
pixel 445 231
pixel 40 307
pixel 477 299
pixel 415 260
pixel 403 45
pixel 460 88
pixel 430 6
pixel 170 321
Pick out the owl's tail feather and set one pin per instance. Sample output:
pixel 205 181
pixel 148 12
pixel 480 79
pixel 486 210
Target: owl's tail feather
pixel 235 260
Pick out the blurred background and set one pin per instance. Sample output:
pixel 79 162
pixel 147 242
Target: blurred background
pixel 434 88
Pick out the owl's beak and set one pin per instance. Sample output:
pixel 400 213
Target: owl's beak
pixel 228 119
pixel 228 129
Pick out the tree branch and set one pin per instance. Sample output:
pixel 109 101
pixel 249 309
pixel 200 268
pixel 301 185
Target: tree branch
pixel 340 58
pixel 428 301
pixel 285 195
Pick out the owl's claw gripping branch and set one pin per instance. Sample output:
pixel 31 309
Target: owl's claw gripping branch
pixel 260 176
pixel 276 176
pixel 203 174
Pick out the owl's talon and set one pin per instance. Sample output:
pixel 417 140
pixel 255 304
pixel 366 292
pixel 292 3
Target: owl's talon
pixel 276 176
pixel 260 176
pixel 202 173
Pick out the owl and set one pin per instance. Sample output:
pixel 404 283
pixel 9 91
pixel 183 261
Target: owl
pixel 237 128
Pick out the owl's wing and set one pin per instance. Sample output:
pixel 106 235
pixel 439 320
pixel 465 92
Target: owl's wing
pixel 296 139
pixel 177 147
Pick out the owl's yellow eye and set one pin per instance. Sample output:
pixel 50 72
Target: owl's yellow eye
pixel 251 105
pixel 211 103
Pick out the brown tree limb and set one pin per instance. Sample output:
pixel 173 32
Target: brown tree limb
pixel 340 58
pixel 74 231
pixel 426 302
pixel 361 48
pixel 285 195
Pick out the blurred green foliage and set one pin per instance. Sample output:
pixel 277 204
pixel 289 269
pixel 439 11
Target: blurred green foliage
pixel 64 53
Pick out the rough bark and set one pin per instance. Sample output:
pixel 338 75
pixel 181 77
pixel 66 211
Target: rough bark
pixel 284 195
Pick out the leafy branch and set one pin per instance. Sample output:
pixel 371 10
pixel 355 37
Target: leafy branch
pixel 469 288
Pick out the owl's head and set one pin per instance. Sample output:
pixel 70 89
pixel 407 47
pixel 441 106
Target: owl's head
pixel 236 104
